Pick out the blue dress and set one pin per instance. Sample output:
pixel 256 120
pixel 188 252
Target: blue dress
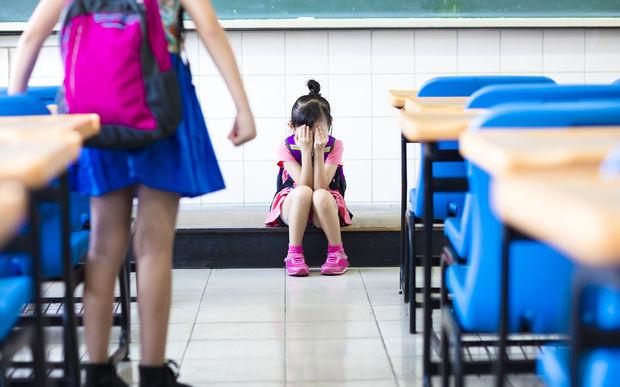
pixel 183 162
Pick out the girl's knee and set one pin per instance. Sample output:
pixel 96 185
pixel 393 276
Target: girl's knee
pixel 303 192
pixel 322 199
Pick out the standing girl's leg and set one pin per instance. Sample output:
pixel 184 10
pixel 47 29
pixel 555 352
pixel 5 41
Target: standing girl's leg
pixel 109 239
pixel 295 212
pixel 153 246
pixel 153 243
pixel 326 216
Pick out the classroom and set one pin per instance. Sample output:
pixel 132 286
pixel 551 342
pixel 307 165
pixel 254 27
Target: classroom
pixel 167 219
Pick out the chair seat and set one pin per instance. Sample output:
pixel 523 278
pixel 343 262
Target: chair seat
pixel 600 367
pixel 16 292
pixel 475 291
pixel 51 267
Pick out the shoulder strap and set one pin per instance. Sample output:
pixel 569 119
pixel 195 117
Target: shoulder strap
pixel 331 141
pixel 180 26
pixel 293 148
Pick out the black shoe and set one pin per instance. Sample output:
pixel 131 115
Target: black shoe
pixel 163 376
pixel 102 375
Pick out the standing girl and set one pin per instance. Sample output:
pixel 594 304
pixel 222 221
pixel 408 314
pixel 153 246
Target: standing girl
pixel 311 184
pixel 180 165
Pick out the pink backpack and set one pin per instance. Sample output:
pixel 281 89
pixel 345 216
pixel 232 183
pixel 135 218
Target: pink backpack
pixel 117 65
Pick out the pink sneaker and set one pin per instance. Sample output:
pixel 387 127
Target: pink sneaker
pixel 337 263
pixel 296 265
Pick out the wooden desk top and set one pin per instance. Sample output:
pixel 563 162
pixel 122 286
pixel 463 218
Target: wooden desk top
pixel 573 209
pixel 35 162
pixel 436 125
pixel 12 209
pixel 397 97
pixel 508 151
pixel 421 104
pixel 26 127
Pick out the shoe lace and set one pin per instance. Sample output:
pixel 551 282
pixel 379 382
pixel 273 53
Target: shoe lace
pixel 297 259
pixel 332 259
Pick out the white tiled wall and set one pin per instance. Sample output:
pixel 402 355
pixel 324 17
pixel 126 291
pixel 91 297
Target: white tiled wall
pixel 355 69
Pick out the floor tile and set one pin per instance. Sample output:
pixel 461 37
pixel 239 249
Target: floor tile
pixel 329 313
pixel 264 313
pixel 337 368
pixel 234 349
pixel 238 331
pixel 237 370
pixel 331 330
pixel 335 347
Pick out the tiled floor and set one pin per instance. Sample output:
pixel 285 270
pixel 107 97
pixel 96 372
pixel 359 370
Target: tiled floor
pixel 258 327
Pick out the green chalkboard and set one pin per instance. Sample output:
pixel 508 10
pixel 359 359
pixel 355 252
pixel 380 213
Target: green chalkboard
pixel 19 10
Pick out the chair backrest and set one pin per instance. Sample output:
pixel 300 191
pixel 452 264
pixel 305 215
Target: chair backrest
pixel 458 86
pixel 491 96
pixel 485 257
pixel 45 94
pixel 551 114
pixel 464 86
pixel 21 105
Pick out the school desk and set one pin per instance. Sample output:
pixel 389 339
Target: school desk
pixel 32 127
pixel 436 125
pixel 574 209
pixel 422 104
pixel 35 162
pixel 424 118
pixel 509 151
pixel 429 128
pixel 397 97
pixel 409 100
pixel 12 209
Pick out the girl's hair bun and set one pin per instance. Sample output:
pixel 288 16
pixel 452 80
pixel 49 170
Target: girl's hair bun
pixel 314 87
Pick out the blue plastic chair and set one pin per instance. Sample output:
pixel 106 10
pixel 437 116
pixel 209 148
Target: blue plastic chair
pixel 21 105
pixel 464 86
pixel 475 286
pixel 458 229
pixel 26 104
pixel 445 204
pixel 45 94
pixel 16 292
pixel 492 96
pixel 450 203
pixel 600 367
pixel 597 367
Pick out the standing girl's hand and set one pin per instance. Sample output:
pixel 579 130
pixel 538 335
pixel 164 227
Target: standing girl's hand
pixel 320 140
pixel 243 129
pixel 304 138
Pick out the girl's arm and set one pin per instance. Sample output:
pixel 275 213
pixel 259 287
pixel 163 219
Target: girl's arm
pixel 215 40
pixel 302 174
pixel 323 173
pixel 40 26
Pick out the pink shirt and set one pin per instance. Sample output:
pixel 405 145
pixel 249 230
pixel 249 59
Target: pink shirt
pixel 334 157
